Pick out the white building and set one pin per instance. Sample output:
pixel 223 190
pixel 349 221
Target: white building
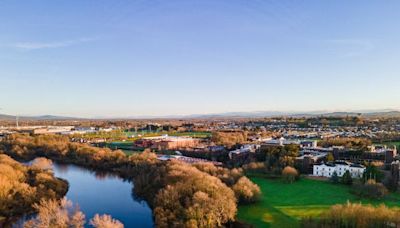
pixel 280 142
pixel 244 149
pixel 340 167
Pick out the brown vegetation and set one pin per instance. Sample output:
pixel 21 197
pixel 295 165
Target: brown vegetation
pixel 289 174
pixel 370 189
pixel 105 221
pixel 54 213
pixel 258 167
pixel 22 186
pixel 354 143
pixel 229 138
pixel 355 215
pixel 193 199
pixel 246 191
pixel 42 163
pixel 62 214
pixel 181 194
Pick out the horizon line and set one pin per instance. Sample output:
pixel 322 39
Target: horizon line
pixel 220 114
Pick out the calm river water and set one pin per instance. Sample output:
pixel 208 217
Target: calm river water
pixel 104 194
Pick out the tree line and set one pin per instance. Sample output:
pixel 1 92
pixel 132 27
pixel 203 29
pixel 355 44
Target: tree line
pixel 180 194
pixel 21 187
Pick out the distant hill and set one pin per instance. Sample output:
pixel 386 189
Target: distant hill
pixel 258 114
pixel 384 114
pixel 294 114
pixel 6 117
pixel 43 117
pixel 365 114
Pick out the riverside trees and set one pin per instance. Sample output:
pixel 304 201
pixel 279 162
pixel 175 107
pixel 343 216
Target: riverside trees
pixel 202 200
pixel 63 214
pixel 21 187
pixel 179 193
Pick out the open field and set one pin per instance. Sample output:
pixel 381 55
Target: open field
pixel 194 134
pixel 389 143
pixel 127 148
pixel 283 205
pixel 394 143
pixel 132 136
pixel 127 145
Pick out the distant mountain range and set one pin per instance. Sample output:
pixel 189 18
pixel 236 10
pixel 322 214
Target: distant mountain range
pixel 259 114
pixel 43 117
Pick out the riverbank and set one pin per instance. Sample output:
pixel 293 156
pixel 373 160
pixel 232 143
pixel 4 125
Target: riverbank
pixel 171 188
pixel 24 186
pixel 104 193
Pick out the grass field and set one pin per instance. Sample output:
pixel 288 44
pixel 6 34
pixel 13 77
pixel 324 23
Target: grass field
pixel 283 205
pixel 132 136
pixel 394 143
pixel 194 134
pixel 389 143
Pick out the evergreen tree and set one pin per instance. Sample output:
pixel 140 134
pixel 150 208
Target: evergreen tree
pixel 346 178
pixel 334 178
pixel 372 172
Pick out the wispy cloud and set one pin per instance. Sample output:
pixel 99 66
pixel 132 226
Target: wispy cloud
pixel 352 47
pixel 46 45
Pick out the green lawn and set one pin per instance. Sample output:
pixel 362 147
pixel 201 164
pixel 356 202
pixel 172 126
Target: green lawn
pixel 389 143
pixel 193 134
pixel 394 143
pixel 283 205
pixel 132 136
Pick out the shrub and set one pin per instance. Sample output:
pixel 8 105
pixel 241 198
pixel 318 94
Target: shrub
pixel 289 174
pixel 371 189
pixel 353 215
pixel 105 221
pixel 246 191
pixel 258 167
pixel 52 213
pixel 42 163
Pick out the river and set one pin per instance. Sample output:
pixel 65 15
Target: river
pixel 104 194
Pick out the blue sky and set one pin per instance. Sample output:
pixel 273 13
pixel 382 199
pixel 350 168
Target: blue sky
pixel 134 58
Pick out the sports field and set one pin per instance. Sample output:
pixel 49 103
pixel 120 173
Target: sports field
pixel 393 143
pixel 283 205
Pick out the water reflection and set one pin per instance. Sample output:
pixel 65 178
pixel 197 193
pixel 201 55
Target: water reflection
pixel 104 193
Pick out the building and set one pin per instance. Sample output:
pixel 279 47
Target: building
pixel 279 142
pixel 186 159
pixel 340 167
pixel 166 142
pixel 243 150
pixel 309 144
pixel 385 155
